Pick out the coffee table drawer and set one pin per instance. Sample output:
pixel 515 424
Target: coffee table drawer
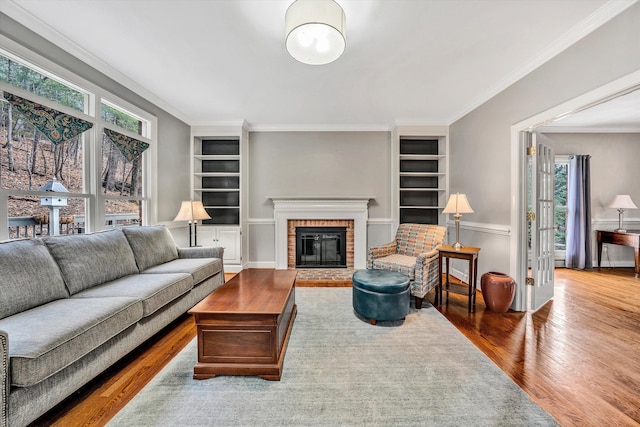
pixel 236 346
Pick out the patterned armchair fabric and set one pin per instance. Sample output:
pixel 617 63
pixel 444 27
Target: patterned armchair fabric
pixel 414 252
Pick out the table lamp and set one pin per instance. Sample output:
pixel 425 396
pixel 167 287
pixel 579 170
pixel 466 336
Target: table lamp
pixel 457 205
pixel 621 202
pixel 192 211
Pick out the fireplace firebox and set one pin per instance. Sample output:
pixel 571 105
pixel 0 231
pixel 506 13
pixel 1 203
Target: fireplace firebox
pixel 321 247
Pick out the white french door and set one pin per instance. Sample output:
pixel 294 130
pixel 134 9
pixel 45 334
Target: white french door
pixel 540 220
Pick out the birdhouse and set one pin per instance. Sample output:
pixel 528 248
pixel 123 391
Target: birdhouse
pixel 53 201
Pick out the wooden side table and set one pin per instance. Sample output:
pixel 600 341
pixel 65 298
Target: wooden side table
pixel 625 238
pixel 466 253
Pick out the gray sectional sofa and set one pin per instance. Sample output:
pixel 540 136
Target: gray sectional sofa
pixel 71 306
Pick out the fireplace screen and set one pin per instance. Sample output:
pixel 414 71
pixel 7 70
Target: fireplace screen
pixel 321 247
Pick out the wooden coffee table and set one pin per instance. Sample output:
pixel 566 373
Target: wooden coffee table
pixel 244 325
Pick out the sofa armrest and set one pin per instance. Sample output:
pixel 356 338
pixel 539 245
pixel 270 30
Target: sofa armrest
pixel 4 378
pixel 376 252
pixel 201 252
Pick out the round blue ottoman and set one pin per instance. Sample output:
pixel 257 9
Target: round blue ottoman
pixel 380 295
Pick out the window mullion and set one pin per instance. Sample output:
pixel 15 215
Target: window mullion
pixel 4 218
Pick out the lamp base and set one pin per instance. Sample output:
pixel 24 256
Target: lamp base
pixel 457 246
pixel 620 219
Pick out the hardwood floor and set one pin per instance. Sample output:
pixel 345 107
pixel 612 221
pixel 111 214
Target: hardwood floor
pixel 578 356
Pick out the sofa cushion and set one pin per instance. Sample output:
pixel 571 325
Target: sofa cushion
pixel 199 268
pixel 154 290
pixel 50 337
pixel 29 276
pixel 401 263
pixel 152 245
pixel 87 260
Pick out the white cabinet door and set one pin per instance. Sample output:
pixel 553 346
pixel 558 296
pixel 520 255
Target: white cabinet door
pixel 229 239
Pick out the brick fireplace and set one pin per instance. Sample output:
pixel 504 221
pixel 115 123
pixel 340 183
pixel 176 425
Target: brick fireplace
pixel 351 212
pixel 292 224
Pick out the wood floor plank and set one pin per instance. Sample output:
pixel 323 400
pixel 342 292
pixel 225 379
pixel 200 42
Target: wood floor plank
pixel 578 356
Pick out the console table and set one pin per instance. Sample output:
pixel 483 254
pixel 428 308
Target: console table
pixel 627 238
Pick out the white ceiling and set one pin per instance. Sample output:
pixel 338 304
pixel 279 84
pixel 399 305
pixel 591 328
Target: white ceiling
pixel 224 61
pixel 620 114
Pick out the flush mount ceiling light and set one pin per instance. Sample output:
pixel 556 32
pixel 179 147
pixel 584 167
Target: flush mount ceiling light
pixel 315 31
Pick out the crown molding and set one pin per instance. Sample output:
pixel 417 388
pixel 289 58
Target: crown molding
pixel 582 129
pixel 320 128
pixel 601 16
pixel 240 123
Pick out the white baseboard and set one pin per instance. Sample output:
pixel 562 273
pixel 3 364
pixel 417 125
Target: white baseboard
pixel 613 264
pixel 262 264
pixel 462 275
pixel 233 268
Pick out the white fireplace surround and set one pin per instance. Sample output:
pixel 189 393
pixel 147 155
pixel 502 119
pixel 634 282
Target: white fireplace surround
pixel 328 208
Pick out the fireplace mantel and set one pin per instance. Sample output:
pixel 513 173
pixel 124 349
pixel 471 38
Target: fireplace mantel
pixel 321 207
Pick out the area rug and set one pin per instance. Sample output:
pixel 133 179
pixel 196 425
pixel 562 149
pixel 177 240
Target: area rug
pixel 339 370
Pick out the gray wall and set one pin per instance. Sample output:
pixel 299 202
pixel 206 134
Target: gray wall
pixel 614 168
pixel 173 134
pixel 614 171
pixel 314 164
pixel 480 142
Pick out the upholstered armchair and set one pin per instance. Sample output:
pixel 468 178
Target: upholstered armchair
pixel 414 252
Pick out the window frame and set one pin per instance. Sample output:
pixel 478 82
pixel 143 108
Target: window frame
pixel 92 161
pixel 560 159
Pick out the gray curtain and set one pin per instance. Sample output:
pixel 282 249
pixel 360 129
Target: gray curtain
pixel 579 213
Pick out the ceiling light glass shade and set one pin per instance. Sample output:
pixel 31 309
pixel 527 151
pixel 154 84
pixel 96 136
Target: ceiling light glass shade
pixel 191 211
pixel 622 201
pixel 315 31
pixel 458 203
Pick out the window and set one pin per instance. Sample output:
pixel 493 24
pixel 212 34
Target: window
pixel 113 114
pixel 121 177
pixel 29 159
pixel 560 203
pixel 40 83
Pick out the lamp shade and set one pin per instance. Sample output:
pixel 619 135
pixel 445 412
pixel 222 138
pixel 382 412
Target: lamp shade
pixel 191 210
pixel 622 201
pixel 458 203
pixel 315 31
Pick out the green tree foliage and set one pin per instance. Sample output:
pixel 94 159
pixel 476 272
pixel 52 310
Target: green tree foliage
pixel 560 197
pixel 32 81
pixel 120 119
